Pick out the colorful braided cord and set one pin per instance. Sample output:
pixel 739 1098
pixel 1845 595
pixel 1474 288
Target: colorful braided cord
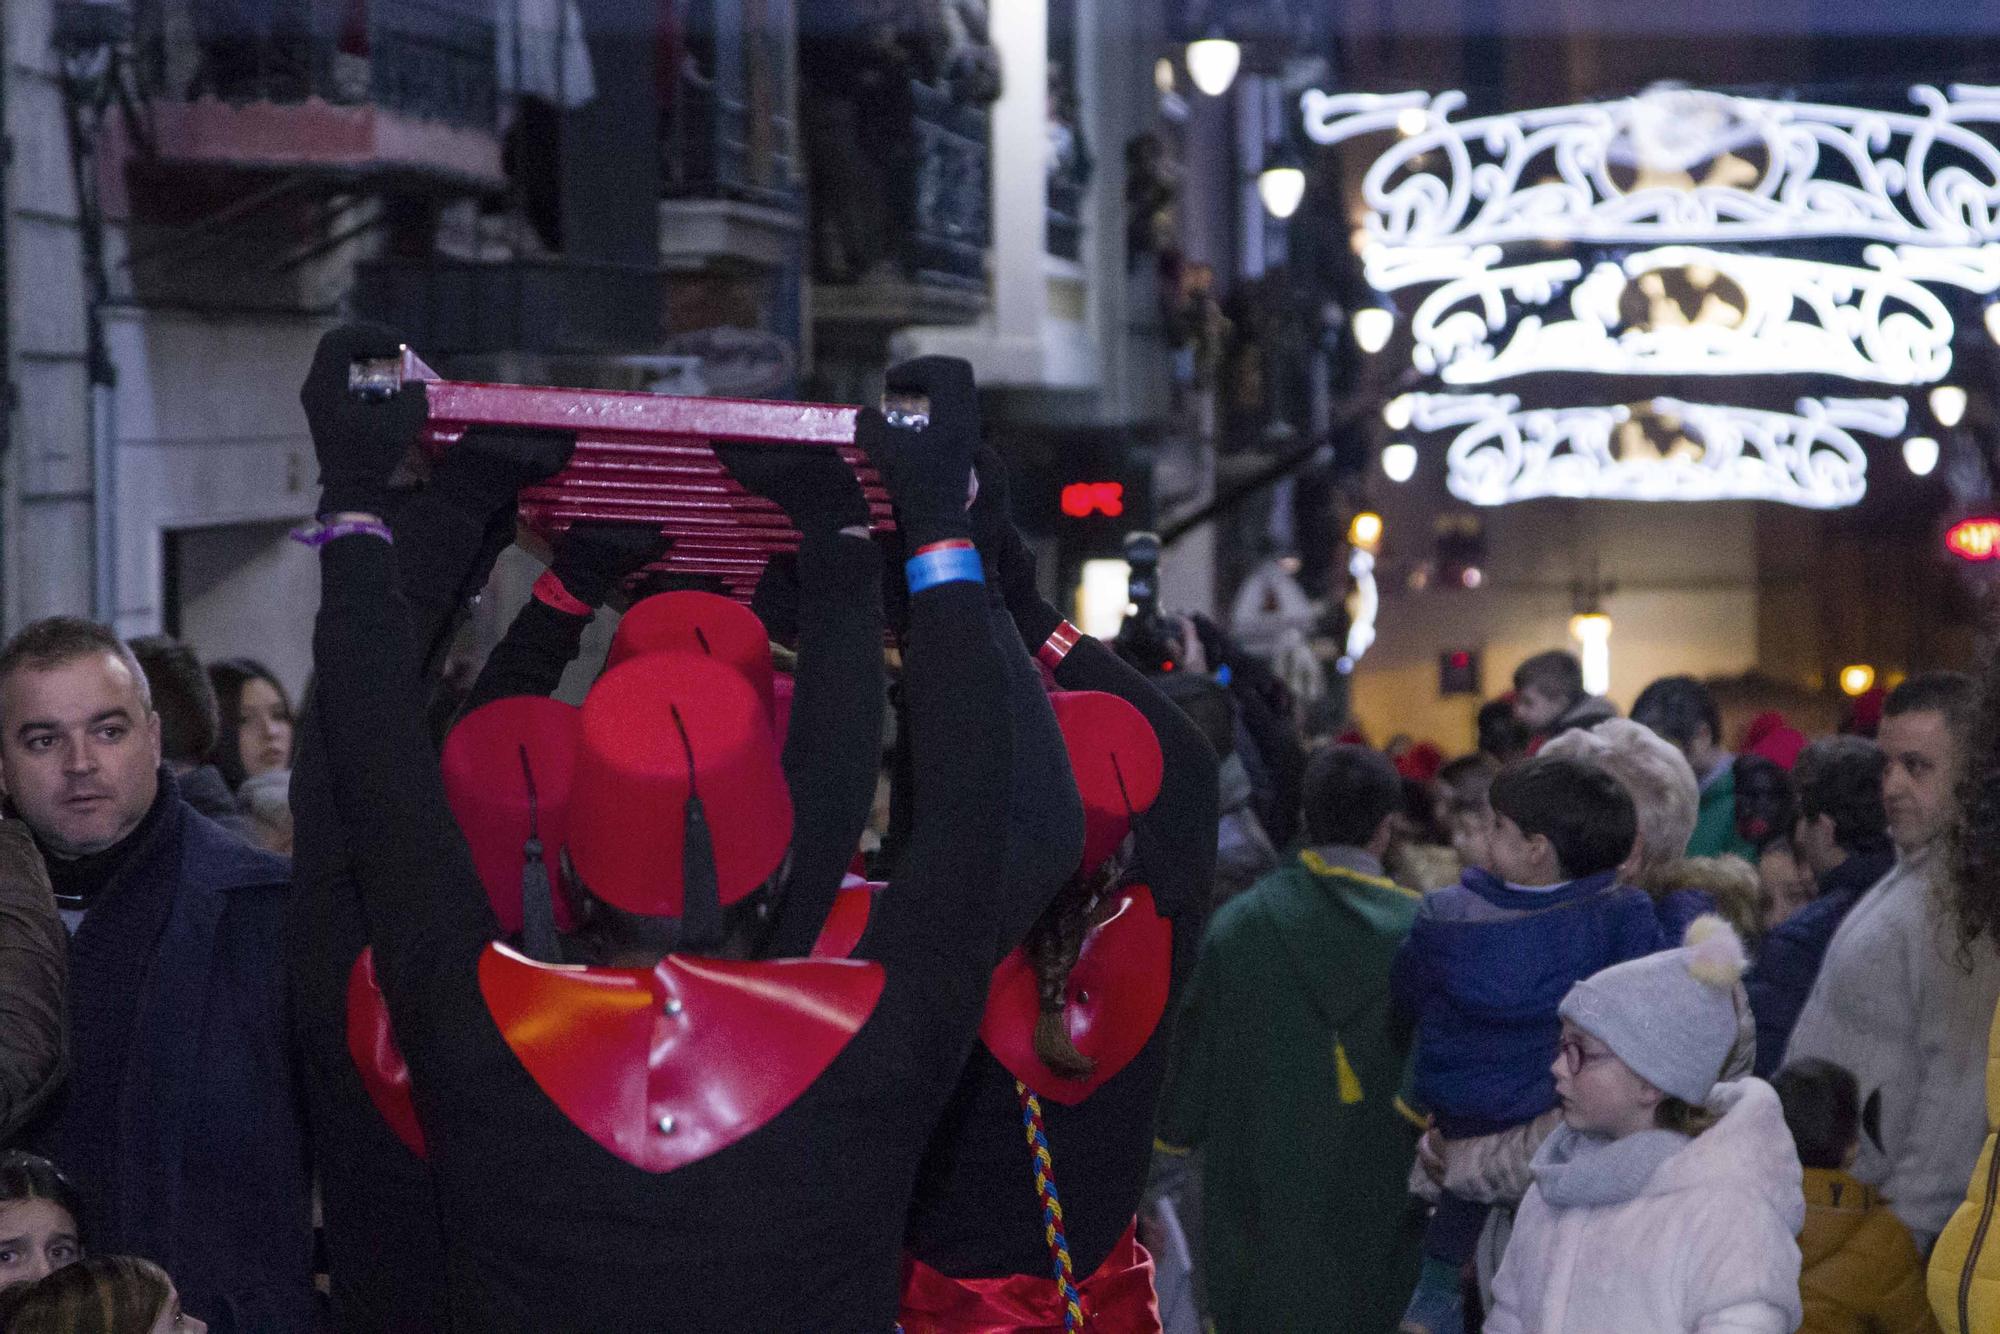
pixel 1052 1216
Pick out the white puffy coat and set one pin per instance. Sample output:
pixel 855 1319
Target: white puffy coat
pixel 1707 1246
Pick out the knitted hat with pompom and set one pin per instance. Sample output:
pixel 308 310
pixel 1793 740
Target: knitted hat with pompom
pixel 1671 1016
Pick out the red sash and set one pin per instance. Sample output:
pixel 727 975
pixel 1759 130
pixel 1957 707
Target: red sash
pixel 1117 1299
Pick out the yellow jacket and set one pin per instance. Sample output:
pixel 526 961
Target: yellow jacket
pixel 1965 1267
pixel 1859 1271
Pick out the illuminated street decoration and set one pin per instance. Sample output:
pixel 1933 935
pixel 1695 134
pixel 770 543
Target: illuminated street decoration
pixel 1608 239
pixel 1663 449
pixel 1689 310
pixel 1675 165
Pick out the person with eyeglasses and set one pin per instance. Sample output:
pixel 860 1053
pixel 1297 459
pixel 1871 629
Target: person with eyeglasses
pixel 1668 1200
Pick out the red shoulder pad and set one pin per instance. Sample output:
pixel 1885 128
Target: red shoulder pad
pixel 1117 993
pixel 372 1045
pixel 665 1066
pixel 846 920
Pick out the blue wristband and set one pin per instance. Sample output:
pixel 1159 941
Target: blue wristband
pixel 949 565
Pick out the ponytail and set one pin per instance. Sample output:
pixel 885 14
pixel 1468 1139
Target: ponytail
pixel 1052 948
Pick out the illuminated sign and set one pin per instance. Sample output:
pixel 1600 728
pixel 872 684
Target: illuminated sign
pixel 1974 539
pixel 1080 500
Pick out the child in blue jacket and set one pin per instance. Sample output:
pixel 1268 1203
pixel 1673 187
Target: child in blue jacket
pixel 1488 963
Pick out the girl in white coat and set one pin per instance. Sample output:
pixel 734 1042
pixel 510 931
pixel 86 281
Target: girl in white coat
pixel 1665 1203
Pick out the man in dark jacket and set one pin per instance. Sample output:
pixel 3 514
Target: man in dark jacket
pixel 1843 837
pixel 178 1123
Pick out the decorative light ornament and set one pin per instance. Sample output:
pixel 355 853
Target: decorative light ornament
pixel 1396 413
pixel 1592 632
pixel 1212 63
pixel 1399 461
pixel 1411 120
pixel 1282 189
pixel 1664 449
pixel 1920 454
pixel 1163 76
pixel 1993 320
pixel 1857 679
pixel 1372 328
pixel 1948 405
pixel 1626 170
pixel 1709 312
pixel 1361 608
pixel 1365 531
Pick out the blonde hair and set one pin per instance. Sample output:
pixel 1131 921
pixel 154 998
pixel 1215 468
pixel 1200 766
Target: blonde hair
pixel 1658 777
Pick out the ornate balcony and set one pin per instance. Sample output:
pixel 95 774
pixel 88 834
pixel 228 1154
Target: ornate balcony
pixel 403 89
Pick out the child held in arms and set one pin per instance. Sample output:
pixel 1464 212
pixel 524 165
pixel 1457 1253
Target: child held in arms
pixel 1666 1202
pixel 1488 963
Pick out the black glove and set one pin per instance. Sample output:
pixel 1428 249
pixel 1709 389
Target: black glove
pixel 484 472
pixel 812 484
pixel 947 383
pixel 594 556
pixel 929 472
pixel 1010 566
pixel 358 442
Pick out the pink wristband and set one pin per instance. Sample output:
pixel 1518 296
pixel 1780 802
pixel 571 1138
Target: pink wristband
pixel 550 592
pixel 1057 646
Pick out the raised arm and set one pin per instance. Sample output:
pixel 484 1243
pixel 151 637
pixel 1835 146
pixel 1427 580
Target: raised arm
pixel 833 746
pixel 1177 834
pixel 592 557
pixel 937 923
pixel 423 901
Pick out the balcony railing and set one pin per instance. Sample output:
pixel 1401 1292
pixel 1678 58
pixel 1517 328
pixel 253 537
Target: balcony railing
pixel 467 307
pixel 730 132
pixel 393 84
pixel 953 223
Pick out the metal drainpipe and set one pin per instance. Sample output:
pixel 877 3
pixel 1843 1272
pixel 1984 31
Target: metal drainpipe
pixel 103 495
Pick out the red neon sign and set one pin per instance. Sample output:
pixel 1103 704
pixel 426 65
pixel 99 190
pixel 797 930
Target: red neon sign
pixel 1974 539
pixel 1080 500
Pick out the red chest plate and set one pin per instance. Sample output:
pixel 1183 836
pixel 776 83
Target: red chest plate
pixel 1117 993
pixel 372 1044
pixel 665 1066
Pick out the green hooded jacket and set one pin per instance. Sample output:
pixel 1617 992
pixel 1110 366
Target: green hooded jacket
pixel 1285 1077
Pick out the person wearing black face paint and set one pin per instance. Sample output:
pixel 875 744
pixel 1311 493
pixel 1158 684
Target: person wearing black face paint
pixel 1025 1209
pixel 607 1155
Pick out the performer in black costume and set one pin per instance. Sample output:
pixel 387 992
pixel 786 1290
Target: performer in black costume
pixel 594 1217
pixel 987 1249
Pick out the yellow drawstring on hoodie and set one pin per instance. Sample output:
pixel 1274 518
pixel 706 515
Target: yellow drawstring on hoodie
pixel 1350 1083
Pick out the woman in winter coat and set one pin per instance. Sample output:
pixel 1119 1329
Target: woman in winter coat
pixel 1666 1203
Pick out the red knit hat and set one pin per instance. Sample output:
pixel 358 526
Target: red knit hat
pixel 1117 763
pixel 508 769
pixel 1775 739
pixel 685 621
pixel 630 811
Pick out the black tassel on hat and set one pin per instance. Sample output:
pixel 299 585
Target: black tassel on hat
pixel 538 905
pixel 701 898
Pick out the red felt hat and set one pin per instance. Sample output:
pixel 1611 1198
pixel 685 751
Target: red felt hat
pixel 1117 763
pixel 487 788
pixel 627 820
pixel 1770 736
pixel 689 622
